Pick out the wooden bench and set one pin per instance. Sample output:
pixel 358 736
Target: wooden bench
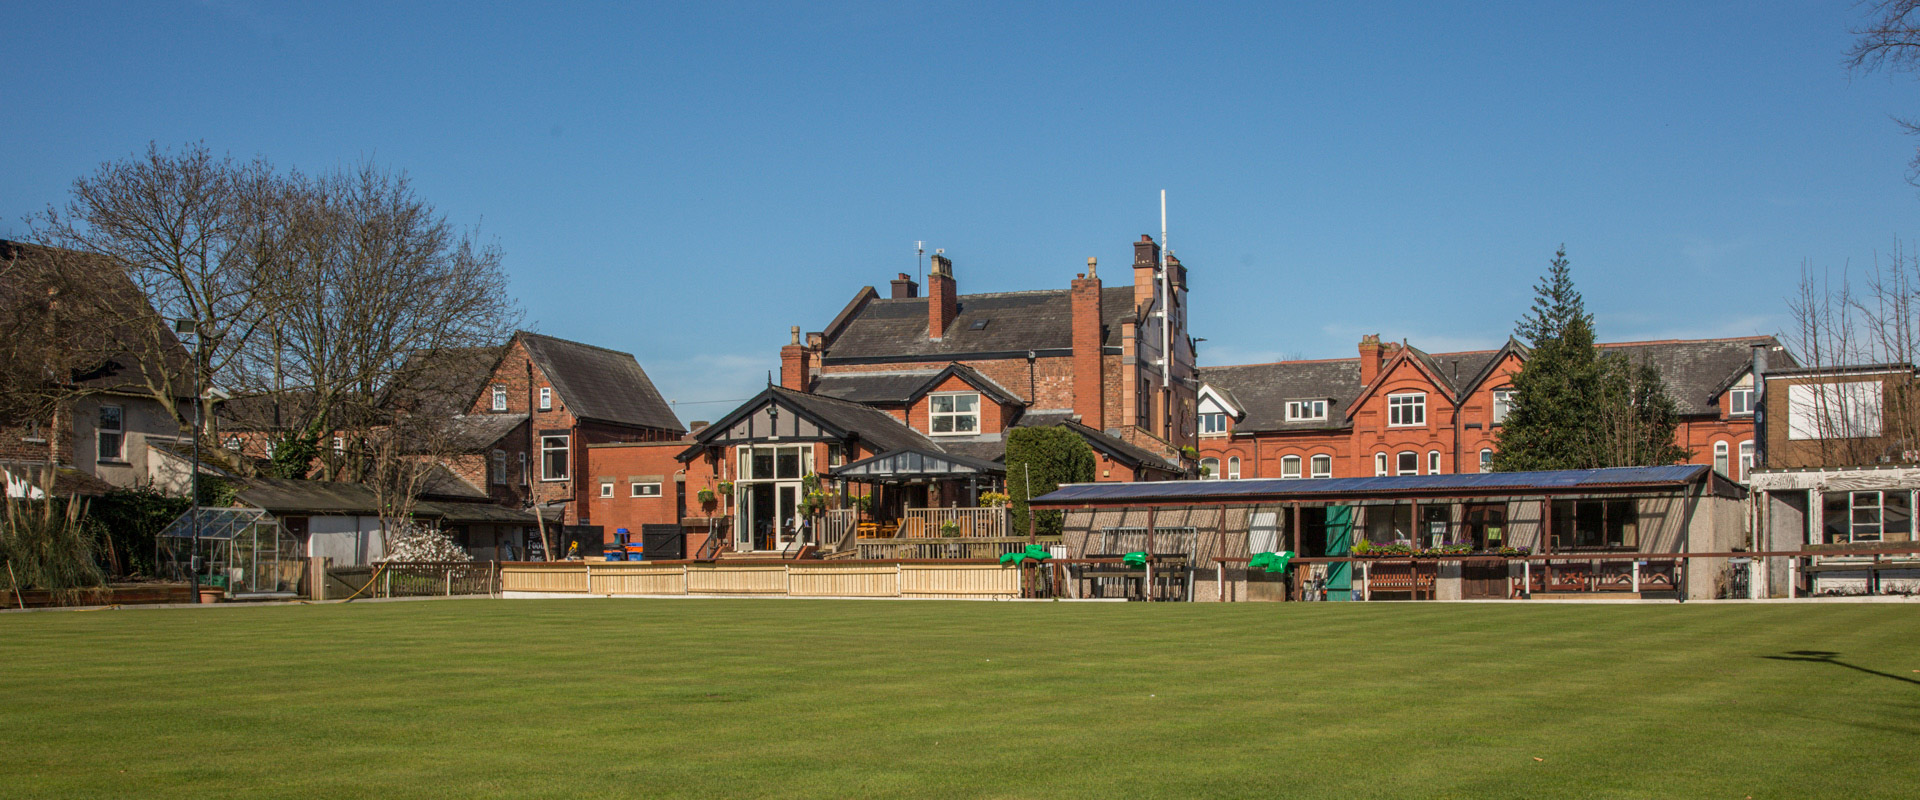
pixel 1401 576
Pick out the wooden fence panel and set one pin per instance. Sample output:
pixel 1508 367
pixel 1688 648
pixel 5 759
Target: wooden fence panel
pixel 640 578
pixel 959 580
pixel 544 578
pixel 736 579
pixel 845 579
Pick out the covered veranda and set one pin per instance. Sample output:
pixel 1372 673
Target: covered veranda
pixel 1476 536
pixel 917 494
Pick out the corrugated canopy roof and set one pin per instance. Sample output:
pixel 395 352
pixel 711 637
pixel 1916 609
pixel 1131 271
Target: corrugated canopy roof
pixel 1576 481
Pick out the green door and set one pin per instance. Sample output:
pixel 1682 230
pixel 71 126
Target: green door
pixel 1339 538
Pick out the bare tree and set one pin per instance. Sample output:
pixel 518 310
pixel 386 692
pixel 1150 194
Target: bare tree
pixel 1843 327
pixel 1890 42
pixel 193 233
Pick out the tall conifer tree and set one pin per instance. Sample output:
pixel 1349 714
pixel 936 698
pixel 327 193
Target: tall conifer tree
pixel 1573 408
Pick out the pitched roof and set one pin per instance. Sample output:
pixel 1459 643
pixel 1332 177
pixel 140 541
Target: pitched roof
pixel 877 428
pixel 888 388
pixel 1698 370
pixel 1264 389
pixel 600 384
pixel 472 433
pixel 999 322
pixel 1695 370
pixel 130 343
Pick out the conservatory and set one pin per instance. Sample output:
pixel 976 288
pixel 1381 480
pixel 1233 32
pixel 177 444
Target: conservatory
pixel 243 550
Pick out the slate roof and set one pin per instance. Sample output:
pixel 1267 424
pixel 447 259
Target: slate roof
pixel 1264 389
pixel 124 363
pixel 889 388
pixel 877 428
pixel 284 497
pixel 600 384
pixel 1695 370
pixel 1015 322
pixel 472 433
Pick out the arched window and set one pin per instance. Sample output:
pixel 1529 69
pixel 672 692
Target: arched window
pixel 1746 461
pixel 1233 468
pixel 1209 469
pixel 1409 463
pixel 1322 466
pixel 1379 463
pixel 1433 462
pixel 1486 461
pixel 1720 457
pixel 1290 467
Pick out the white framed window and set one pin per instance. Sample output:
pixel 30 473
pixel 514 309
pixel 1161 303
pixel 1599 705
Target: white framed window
pixel 553 457
pixel 1867 516
pixel 1746 461
pixel 236 444
pixel 1433 462
pixel 641 489
pixel 606 489
pixel 499 398
pixel 1407 463
pixel 1739 401
pixel 1405 410
pixel 1380 464
pixel 1502 405
pixel 1209 469
pixel 1321 466
pixel 111 435
pixel 1486 460
pixel 500 467
pixel 1848 410
pixel 1290 467
pixel 1298 410
pixel 1233 468
pixel 1720 458
pixel 1213 424
pixel 954 414
pixel 523 469
pixel 339 444
pixel 546 398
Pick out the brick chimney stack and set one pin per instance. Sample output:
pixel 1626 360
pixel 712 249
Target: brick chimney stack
pixel 1089 385
pixel 1370 358
pixel 1146 259
pixel 793 364
pixel 942 297
pixel 905 288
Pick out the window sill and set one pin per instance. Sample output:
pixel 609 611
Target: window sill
pixel 33 440
pixel 115 462
pixel 553 480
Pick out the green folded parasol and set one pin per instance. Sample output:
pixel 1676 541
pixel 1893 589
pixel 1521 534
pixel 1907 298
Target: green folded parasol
pixel 1033 551
pixel 1271 562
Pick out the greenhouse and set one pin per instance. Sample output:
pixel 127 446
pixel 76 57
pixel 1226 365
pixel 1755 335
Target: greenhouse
pixel 245 551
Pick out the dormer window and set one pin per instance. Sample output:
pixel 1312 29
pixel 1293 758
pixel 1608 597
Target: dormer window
pixel 499 398
pixel 1304 410
pixel 1213 424
pixel 954 414
pixel 1739 402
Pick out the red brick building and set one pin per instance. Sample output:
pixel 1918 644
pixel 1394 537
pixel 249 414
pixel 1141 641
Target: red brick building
pixel 545 402
pixel 912 397
pixel 1396 410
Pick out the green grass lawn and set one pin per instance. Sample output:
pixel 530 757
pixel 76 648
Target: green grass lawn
pixel 717 698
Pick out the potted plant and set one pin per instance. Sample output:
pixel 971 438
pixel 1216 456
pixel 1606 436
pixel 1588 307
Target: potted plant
pixel 950 529
pixel 707 497
pixel 994 499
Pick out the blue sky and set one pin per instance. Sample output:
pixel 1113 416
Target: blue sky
pixel 685 182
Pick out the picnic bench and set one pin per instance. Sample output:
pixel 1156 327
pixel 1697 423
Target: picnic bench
pixel 1172 578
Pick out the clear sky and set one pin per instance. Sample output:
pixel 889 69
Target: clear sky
pixel 686 181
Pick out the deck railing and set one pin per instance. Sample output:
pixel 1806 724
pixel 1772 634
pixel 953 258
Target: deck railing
pixel 836 528
pixel 948 547
pixel 976 521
